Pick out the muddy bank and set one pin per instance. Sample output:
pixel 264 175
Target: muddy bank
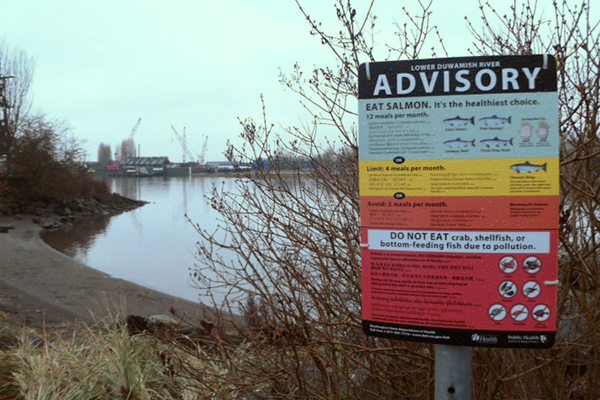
pixel 39 284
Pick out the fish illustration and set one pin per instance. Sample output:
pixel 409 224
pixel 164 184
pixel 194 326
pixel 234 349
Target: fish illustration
pixel 494 120
pixel 496 311
pixel 458 121
pixel 530 290
pixel 541 313
pixel 459 143
pixel 528 167
pixel 496 142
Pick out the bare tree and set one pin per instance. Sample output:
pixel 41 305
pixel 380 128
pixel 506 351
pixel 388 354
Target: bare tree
pixel 126 149
pixel 294 234
pixel 573 38
pixel 295 270
pixel 16 76
pixel 47 161
pixel 104 154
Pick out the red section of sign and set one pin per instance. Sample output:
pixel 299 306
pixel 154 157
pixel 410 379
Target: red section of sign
pixel 496 292
pixel 475 212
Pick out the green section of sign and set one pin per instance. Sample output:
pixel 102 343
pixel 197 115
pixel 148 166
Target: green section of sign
pixel 459 127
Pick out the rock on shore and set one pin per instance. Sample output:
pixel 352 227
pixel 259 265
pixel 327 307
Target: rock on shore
pixel 52 215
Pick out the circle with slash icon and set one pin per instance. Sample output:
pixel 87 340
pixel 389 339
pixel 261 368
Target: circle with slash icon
pixel 541 312
pixel 531 265
pixel 519 312
pixel 507 289
pixel 508 265
pixel 531 289
pixel 497 312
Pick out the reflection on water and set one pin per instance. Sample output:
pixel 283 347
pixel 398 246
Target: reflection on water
pixel 153 245
pixel 80 238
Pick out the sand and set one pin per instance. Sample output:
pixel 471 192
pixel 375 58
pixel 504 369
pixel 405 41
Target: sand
pixel 39 285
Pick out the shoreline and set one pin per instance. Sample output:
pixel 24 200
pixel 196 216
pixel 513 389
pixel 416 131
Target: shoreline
pixel 41 286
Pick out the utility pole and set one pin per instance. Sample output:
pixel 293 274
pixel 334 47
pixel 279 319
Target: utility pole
pixel 5 134
pixel 4 120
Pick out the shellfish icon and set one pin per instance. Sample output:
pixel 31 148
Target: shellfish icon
pixel 532 265
pixel 507 289
pixel 508 265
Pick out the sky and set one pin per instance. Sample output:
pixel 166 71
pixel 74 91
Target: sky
pixel 199 64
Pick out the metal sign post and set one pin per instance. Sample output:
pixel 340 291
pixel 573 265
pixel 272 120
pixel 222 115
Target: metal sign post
pixel 453 372
pixel 459 182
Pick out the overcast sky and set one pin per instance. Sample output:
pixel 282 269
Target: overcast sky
pixel 201 64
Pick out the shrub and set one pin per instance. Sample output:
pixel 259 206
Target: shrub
pixel 295 237
pixel 45 165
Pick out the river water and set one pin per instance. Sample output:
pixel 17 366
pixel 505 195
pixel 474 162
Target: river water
pixel 153 245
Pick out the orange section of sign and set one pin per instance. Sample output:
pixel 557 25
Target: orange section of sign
pixel 476 212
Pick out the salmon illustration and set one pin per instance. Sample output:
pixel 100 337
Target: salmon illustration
pixel 528 167
pixel 459 143
pixel 494 120
pixel 458 121
pixel 495 142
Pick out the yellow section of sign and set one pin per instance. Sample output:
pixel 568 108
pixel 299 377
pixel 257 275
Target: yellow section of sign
pixel 479 177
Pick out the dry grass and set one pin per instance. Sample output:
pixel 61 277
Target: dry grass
pixel 93 362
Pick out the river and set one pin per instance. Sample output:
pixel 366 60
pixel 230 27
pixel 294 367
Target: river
pixel 153 245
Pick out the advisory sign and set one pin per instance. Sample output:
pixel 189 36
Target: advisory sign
pixel 459 183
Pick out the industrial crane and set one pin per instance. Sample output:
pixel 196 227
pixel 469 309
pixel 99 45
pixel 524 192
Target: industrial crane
pixel 125 152
pixel 203 155
pixel 186 149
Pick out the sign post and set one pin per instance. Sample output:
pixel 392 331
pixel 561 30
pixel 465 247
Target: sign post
pixel 459 169
pixel 453 372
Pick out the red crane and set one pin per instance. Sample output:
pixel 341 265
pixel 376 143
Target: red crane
pixel 125 152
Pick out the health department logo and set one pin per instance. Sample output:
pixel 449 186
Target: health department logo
pixel 490 339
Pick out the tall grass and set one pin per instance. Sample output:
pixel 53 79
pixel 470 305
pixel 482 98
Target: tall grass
pixel 93 363
pixel 104 361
